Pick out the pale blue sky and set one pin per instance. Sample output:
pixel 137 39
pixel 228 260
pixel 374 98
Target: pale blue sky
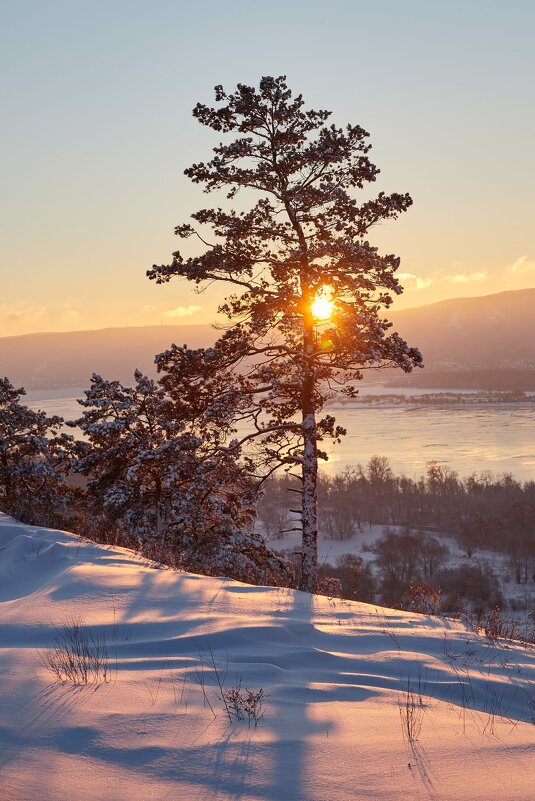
pixel 96 130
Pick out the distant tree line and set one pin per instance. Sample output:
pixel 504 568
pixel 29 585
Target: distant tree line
pixel 514 379
pixel 481 510
pixel 480 398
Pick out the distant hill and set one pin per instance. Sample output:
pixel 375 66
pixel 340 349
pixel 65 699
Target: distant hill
pixel 44 361
pixel 491 339
pixel 484 332
pixel 485 342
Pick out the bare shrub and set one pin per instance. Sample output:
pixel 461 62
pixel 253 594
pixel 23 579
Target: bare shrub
pixel 78 655
pixel 244 704
pixel 473 585
pixel 354 575
pixel 240 703
pixel 423 598
pixel 497 626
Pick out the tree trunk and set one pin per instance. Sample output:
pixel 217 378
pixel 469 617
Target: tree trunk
pixel 309 498
pixel 309 507
pixel 309 510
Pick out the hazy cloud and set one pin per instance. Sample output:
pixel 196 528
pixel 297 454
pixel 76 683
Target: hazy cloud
pixel 182 311
pixel 466 278
pixel 20 312
pixel 71 316
pixel 414 281
pixel 523 266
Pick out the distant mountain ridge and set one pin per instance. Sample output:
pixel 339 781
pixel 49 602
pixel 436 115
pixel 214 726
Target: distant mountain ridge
pixel 52 360
pixel 482 332
pixel 465 334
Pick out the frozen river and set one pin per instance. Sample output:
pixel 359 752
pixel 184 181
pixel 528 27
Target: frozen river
pixel 468 439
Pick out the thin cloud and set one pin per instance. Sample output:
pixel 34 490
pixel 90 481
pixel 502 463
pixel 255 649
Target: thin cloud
pixel 414 281
pixel 523 267
pixel 182 311
pixel 20 312
pixel 71 316
pixel 466 278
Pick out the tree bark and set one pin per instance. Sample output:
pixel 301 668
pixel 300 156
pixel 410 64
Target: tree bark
pixel 309 502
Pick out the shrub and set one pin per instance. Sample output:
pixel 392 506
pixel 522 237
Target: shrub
pixel 243 704
pixel 354 576
pixel 423 598
pixel 474 584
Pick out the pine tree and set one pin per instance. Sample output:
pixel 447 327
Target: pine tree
pixel 309 287
pixel 160 475
pixel 34 458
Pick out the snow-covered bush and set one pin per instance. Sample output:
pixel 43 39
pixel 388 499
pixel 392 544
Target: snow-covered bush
pixel 165 474
pixel 35 457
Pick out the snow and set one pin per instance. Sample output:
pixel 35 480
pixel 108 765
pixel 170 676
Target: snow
pixel 335 674
pixel 329 549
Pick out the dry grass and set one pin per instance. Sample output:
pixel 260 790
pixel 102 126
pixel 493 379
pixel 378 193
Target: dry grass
pixel 78 655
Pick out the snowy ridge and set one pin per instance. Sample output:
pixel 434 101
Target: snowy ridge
pixel 335 673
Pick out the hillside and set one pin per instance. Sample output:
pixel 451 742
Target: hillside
pixel 492 333
pixel 41 361
pixel 485 332
pixel 344 685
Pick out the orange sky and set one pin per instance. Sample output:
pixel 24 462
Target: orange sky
pixel 97 129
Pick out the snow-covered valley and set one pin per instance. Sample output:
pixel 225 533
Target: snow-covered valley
pixel 345 686
pixel 518 599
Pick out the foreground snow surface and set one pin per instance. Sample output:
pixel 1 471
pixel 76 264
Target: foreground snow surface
pixel 336 675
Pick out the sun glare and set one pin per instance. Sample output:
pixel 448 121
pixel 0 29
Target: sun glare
pixel 322 308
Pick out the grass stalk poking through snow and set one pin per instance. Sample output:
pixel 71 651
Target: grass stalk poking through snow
pixel 78 655
pixel 411 711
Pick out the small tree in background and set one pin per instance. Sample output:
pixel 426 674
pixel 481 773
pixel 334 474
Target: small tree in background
pixel 35 456
pixel 309 286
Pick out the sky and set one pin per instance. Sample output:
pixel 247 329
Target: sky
pixel 96 131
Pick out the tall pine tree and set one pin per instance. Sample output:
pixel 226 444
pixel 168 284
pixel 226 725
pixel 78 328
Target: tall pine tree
pixel 306 315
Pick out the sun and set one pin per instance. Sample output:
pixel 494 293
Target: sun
pixel 322 307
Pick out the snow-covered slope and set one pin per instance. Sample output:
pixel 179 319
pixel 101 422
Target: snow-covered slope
pixel 335 673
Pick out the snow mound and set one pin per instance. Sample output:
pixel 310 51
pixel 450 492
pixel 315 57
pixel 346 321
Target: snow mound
pixel 344 686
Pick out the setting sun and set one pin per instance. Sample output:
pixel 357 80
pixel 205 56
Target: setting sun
pixel 322 308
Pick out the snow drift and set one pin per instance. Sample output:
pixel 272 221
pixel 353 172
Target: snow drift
pixel 346 686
